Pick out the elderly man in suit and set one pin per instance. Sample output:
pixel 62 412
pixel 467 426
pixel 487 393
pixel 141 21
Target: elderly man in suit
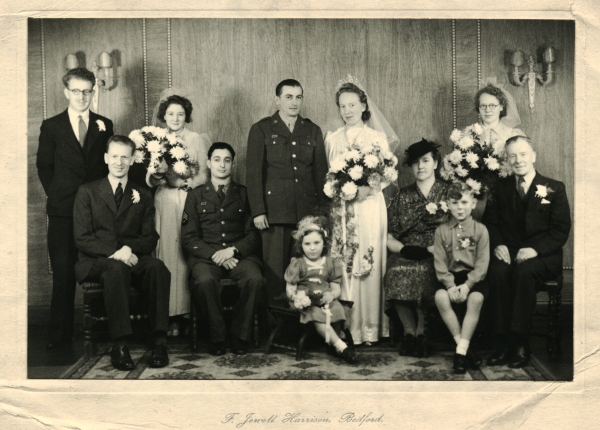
pixel 114 231
pixel 529 222
pixel 285 174
pixel 70 153
pixel 218 234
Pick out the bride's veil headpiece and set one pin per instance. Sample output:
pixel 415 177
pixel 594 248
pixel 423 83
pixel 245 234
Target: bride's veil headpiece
pixel 512 118
pixel 166 93
pixel 376 122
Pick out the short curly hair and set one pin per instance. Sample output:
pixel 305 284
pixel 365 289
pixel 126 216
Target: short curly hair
pixel 362 96
pixel 299 252
pixel 175 100
pixel 492 91
pixel 79 73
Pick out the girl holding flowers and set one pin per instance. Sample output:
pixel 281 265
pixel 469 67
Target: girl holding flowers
pixel 313 285
pixel 179 169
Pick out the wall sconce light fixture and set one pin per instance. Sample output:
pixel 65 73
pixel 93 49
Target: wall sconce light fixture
pixel 517 60
pixel 102 69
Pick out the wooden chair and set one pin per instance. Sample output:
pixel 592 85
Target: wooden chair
pixel 229 297
pixel 94 313
pixel 553 333
pixel 289 326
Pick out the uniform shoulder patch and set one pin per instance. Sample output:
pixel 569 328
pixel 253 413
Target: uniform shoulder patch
pixel 185 218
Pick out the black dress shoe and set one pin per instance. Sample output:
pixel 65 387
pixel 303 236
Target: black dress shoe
pixel 159 357
pixel 217 348
pixel 57 344
pixel 407 347
pixel 460 364
pixel 473 359
pixel 519 357
pixel 331 350
pixel 120 358
pixel 499 357
pixel 349 355
pixel 239 346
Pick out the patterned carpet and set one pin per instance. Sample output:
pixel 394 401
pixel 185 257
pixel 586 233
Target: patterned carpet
pixel 380 363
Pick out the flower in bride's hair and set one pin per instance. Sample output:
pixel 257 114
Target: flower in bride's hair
pixel 356 172
pixel 461 171
pixel 352 155
pixel 138 156
pixel 349 191
pixel 178 152
pixel 492 163
pixel 337 164
pixel 455 156
pixel 390 174
pixel 137 138
pixel 472 159
pixel 371 161
pixel 329 189
pixel 179 167
pixel 466 142
pixel 455 136
pixel 154 146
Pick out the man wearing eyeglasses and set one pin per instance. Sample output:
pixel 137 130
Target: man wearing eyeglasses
pixel 70 153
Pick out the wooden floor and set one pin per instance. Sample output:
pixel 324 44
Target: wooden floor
pixel 42 364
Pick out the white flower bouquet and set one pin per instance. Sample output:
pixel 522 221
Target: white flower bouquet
pixel 154 145
pixel 360 166
pixel 475 161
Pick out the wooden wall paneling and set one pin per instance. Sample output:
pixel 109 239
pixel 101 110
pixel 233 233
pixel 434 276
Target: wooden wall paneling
pixel 551 124
pixel 156 61
pixel 409 66
pixel 37 249
pixel 466 72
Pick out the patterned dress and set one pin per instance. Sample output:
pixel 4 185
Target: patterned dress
pixel 316 276
pixel 412 224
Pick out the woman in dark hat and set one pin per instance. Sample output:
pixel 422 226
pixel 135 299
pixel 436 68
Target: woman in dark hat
pixel 413 216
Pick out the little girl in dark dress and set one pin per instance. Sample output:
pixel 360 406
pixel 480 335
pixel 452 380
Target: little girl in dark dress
pixel 313 285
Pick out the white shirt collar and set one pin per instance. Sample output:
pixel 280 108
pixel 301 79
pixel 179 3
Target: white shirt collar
pixel 74 116
pixel 115 182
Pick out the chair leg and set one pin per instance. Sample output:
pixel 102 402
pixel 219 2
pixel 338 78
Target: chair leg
pixel 272 337
pixel 194 331
pixel 301 342
pixel 256 332
pixel 88 340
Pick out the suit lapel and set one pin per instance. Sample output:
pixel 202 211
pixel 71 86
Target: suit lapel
pixel 68 133
pixel 233 194
pixel 210 194
pixel 532 200
pixel 300 128
pixel 127 199
pixel 278 125
pixel 93 131
pixel 106 193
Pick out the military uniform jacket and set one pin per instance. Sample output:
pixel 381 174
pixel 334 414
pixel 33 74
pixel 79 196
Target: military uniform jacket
pixel 101 229
pixel 285 171
pixel 63 165
pixel 209 225
pixel 547 218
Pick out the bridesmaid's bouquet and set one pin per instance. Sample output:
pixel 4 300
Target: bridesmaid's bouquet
pixel 359 166
pixel 154 145
pixel 303 299
pixel 475 161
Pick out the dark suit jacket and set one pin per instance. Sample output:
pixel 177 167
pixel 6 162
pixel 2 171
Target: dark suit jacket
pixel 63 165
pixel 101 230
pixel 285 172
pixel 547 225
pixel 209 226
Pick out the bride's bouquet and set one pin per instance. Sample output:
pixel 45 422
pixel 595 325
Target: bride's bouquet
pixel 475 161
pixel 359 166
pixel 155 146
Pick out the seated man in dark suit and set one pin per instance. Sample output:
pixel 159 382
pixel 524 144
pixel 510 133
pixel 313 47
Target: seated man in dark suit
pixel 114 231
pixel 220 237
pixel 529 222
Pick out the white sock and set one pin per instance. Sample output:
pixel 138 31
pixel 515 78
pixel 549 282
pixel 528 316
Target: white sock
pixel 457 338
pixel 462 346
pixel 340 345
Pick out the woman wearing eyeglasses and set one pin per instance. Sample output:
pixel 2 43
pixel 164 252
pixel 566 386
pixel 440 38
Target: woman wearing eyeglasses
pixel 498 114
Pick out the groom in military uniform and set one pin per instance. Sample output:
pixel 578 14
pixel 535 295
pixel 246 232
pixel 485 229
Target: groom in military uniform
pixel 285 174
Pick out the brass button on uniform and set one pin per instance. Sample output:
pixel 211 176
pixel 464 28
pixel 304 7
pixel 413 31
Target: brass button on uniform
pixel 296 180
pixel 224 244
pixel 293 155
pixel 222 210
pixel 293 143
pixel 223 235
pixel 222 222
pixel 295 168
pixel 268 192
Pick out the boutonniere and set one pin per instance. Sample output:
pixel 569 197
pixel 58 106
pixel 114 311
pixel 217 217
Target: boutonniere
pixel 432 208
pixel 542 192
pixel 135 196
pixel 465 242
pixel 101 125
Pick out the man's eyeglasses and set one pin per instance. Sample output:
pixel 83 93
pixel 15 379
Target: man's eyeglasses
pixel 88 92
pixel 486 107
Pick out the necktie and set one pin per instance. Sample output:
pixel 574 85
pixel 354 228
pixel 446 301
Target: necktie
pixel 119 195
pixel 521 187
pixel 82 131
pixel 221 193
